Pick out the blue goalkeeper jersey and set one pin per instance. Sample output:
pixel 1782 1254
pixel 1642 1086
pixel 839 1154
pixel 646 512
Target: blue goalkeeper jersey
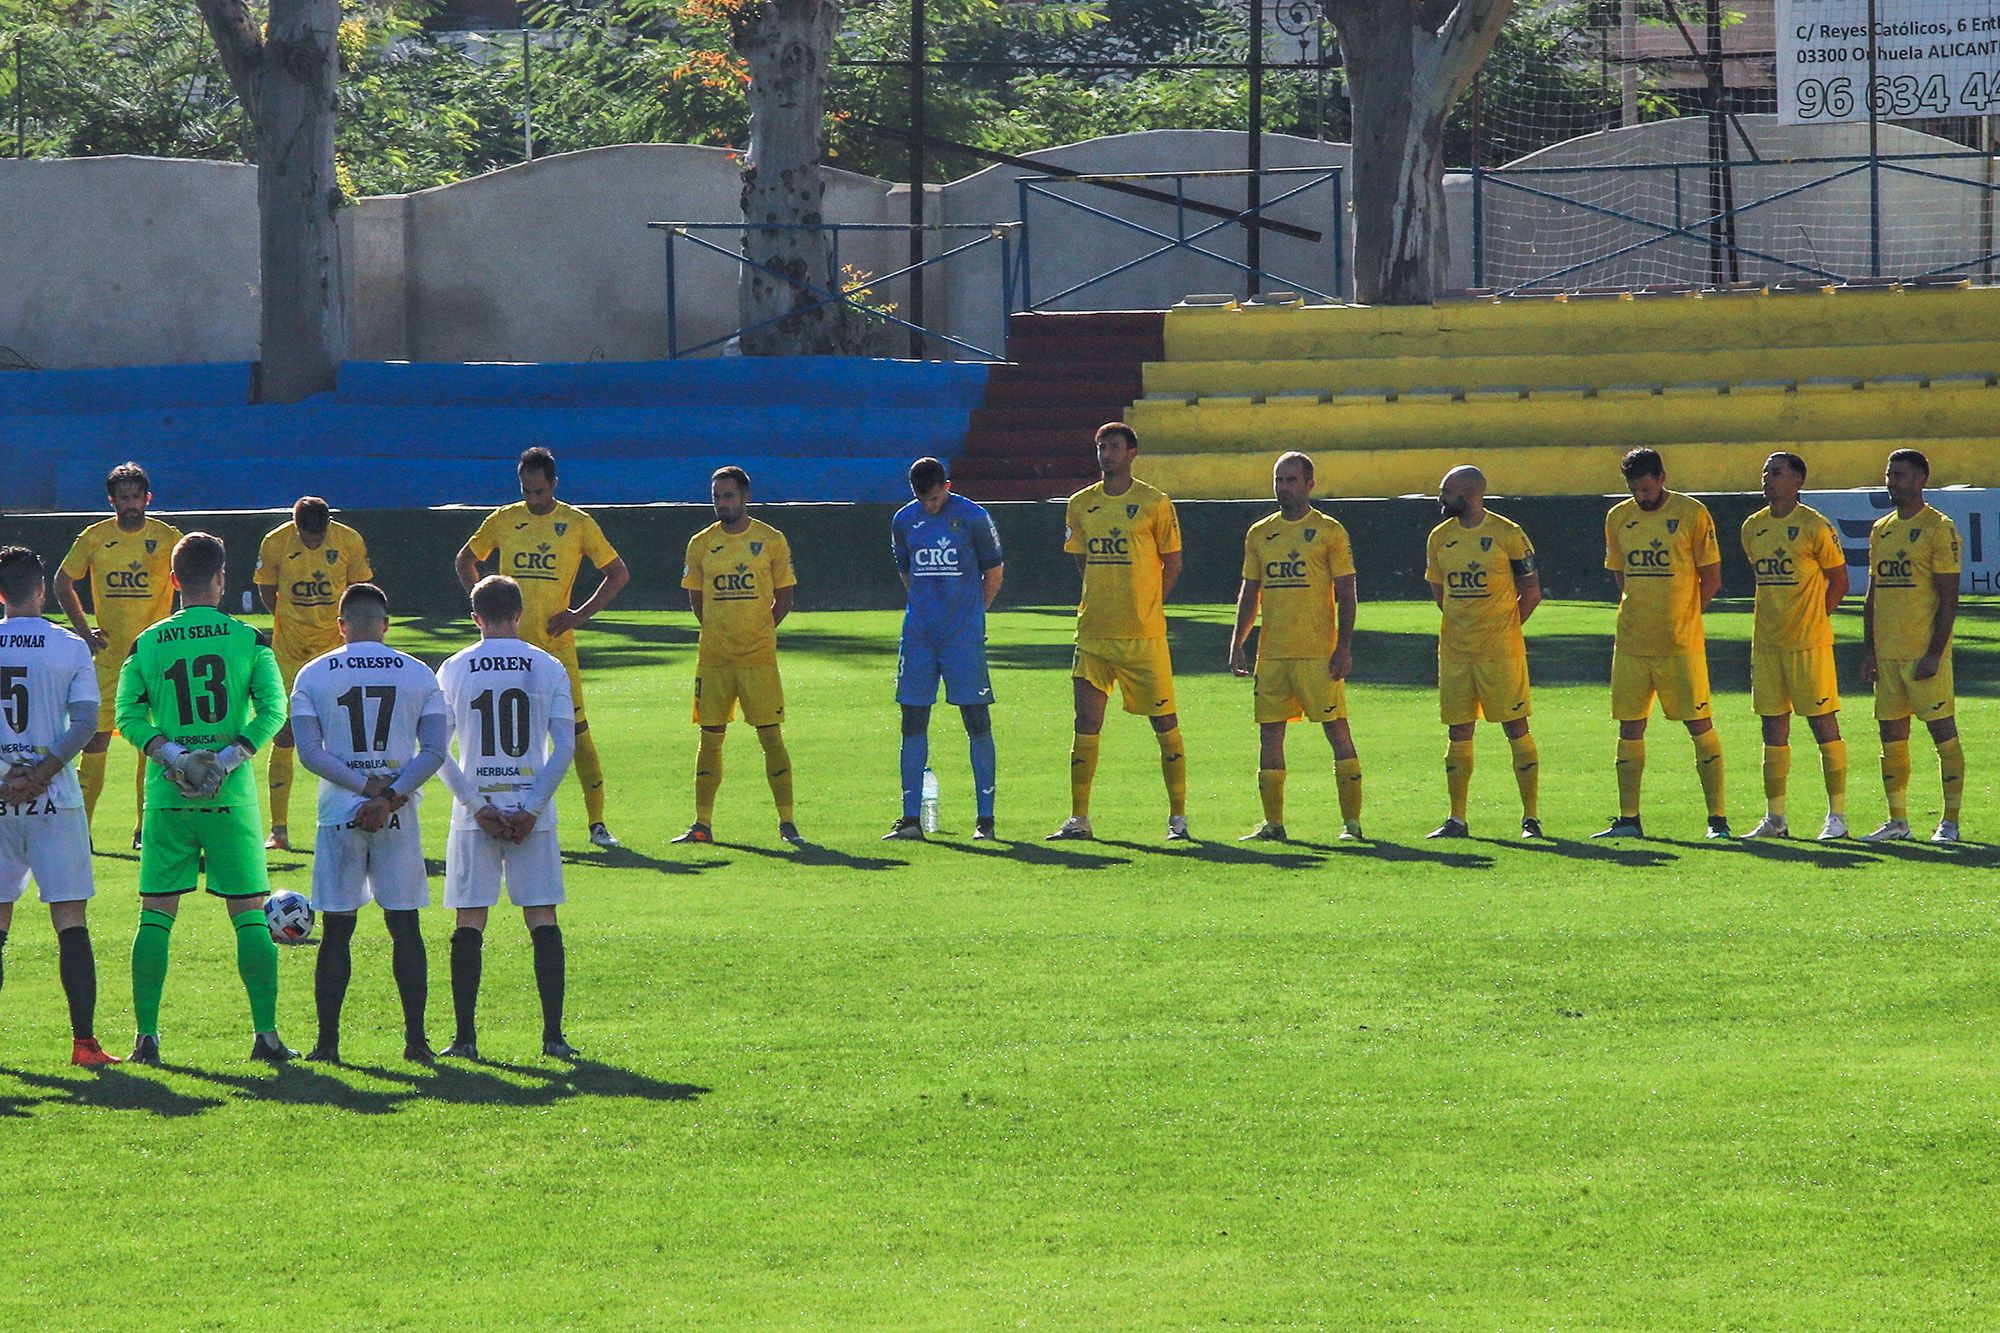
pixel 945 557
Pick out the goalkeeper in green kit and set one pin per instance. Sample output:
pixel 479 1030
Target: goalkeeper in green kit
pixel 199 694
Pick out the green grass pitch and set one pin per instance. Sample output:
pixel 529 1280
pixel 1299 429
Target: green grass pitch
pixel 1476 1085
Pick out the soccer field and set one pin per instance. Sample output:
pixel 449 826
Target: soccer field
pixel 1473 1084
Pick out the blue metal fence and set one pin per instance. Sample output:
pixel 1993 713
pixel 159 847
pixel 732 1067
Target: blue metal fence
pixel 1297 181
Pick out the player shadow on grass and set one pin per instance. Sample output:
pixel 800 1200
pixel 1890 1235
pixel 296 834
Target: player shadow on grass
pixel 104 1090
pixel 624 858
pixel 1827 856
pixel 1228 853
pixel 1939 856
pixel 1381 849
pixel 814 854
pixel 456 1082
pixel 1035 854
pixel 1581 849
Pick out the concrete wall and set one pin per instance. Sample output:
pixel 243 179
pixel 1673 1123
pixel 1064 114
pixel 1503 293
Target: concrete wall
pixel 128 261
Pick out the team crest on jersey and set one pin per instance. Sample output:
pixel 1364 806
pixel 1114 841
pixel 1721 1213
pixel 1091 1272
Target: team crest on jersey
pixel 1309 533
pixel 1131 511
pixel 756 548
pixel 1485 543
pixel 561 528
pixel 333 557
pixel 1915 532
pixel 151 546
pixel 1793 533
pixel 1673 526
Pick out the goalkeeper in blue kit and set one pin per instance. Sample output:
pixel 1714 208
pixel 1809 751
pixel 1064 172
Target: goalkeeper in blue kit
pixel 947 552
pixel 199 694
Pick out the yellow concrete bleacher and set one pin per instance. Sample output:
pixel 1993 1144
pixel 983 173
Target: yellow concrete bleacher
pixel 1545 394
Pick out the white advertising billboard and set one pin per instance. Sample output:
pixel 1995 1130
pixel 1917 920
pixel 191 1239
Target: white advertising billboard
pixel 1975 511
pixel 1932 58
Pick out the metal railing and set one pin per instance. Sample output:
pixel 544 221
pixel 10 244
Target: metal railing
pixel 841 293
pixel 1714 228
pixel 1181 239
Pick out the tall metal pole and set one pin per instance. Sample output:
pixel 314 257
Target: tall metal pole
pixel 1718 148
pixel 527 99
pixel 919 43
pixel 1253 245
pixel 1874 159
pixel 20 99
pixel 1628 69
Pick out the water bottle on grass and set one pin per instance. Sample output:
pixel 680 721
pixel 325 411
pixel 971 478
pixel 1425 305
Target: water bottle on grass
pixel 930 806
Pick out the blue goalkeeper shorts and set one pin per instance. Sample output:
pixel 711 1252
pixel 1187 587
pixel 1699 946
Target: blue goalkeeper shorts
pixel 959 660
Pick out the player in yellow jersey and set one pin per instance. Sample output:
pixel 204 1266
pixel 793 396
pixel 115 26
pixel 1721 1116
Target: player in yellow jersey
pixel 1801 577
pixel 126 560
pixel 1127 543
pixel 1906 625
pixel 303 569
pixel 1660 546
pixel 1299 565
pixel 739 583
pixel 542 544
pixel 1481 571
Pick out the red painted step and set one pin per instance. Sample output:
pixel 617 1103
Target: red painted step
pixel 1071 373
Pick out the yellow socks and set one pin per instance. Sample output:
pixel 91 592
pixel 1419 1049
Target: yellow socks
pixel 90 767
pixel 1708 767
pixel 1347 782
pixel 1458 776
pixel 707 776
pixel 1896 777
pixel 1082 772
pixel 1527 774
pixel 281 785
pixel 1631 769
pixel 1951 768
pixel 777 770
pixel 1833 767
pixel 1777 772
pixel 1173 767
pixel 139 791
pixel 590 775
pixel 1271 790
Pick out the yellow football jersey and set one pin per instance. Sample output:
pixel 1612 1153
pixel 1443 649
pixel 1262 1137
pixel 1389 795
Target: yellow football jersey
pixel 1121 538
pixel 1791 557
pixel 1297 564
pixel 1479 569
pixel 131 583
pixel 309 583
pixel 1658 553
pixel 736 575
pixel 1903 554
pixel 543 553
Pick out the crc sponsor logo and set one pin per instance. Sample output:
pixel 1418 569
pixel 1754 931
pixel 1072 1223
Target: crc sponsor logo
pixel 1897 566
pixel 1292 567
pixel 1777 566
pixel 1466 580
pixel 315 589
pixel 1657 556
pixel 737 580
pixel 1112 543
pixel 540 560
pixel 943 558
pixel 134 579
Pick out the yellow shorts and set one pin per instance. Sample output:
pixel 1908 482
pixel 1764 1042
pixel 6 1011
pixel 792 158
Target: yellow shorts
pixel 718 689
pixel 1802 683
pixel 1899 694
pixel 107 665
pixel 1141 668
pixel 565 652
pixel 1493 688
pixel 1681 681
pixel 1290 688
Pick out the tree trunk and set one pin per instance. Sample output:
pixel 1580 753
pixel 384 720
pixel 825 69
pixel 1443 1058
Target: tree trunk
pixel 786 44
pixel 1406 65
pixel 285 77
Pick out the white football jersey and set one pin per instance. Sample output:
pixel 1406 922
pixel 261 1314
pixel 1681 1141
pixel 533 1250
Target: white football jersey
pixel 43 670
pixel 368 698
pixel 505 698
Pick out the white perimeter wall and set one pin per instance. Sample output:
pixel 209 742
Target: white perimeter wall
pixel 135 261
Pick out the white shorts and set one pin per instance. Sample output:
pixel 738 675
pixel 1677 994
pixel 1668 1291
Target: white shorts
pixel 475 861
pixel 352 866
pixel 52 845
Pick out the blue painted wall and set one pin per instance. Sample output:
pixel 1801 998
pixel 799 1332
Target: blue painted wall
pixel 397 435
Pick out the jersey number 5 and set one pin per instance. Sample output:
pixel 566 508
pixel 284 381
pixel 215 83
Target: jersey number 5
pixel 207 675
pixel 14 697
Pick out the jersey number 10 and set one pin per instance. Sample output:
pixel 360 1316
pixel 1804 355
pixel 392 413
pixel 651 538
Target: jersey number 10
pixel 506 715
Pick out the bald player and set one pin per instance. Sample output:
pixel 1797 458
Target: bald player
pixel 1481 571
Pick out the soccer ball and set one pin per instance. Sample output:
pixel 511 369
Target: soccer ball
pixel 290 917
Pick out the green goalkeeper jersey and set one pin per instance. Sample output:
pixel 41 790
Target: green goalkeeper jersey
pixel 203 679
